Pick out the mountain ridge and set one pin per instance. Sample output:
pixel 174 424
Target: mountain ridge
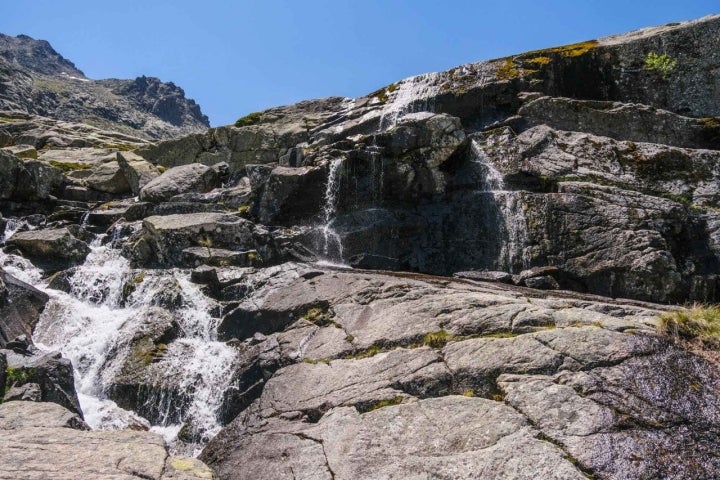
pixel 36 79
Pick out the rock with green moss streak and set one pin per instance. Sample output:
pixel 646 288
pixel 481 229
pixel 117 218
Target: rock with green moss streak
pixel 52 374
pixel 553 381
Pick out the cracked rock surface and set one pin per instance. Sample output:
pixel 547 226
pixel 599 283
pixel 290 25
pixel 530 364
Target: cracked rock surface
pixel 413 376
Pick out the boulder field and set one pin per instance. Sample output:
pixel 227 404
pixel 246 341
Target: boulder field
pixel 465 274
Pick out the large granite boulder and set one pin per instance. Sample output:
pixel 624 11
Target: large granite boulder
pixel 164 240
pixel 183 179
pixel 109 178
pixel 27 180
pixel 137 171
pixel 50 247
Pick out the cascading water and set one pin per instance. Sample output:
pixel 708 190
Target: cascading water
pixel 332 248
pixel 511 222
pixel 93 323
pixel 410 95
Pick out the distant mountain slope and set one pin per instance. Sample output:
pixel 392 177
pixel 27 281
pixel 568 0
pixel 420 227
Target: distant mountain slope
pixel 35 79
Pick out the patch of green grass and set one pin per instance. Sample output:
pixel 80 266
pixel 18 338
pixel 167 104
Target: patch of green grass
pixel 69 166
pixel 123 147
pixel 507 70
pixel 437 339
pixel 17 376
pixel 468 393
pixel 250 119
pixel 567 51
pixel 661 64
pixel 161 169
pixel 313 361
pixel 499 335
pixel 367 353
pixel 319 316
pixel 384 403
pixel 700 323
pixel 539 60
pixel 382 94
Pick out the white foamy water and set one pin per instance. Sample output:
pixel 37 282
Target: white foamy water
pixel 511 222
pixel 92 326
pixel 332 243
pixel 413 94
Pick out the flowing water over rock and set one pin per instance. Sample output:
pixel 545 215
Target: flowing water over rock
pixel 413 94
pixel 511 219
pixel 332 249
pixel 95 323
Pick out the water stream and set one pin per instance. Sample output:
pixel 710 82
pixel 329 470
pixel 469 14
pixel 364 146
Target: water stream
pixel 93 324
pixel 332 248
pixel 512 222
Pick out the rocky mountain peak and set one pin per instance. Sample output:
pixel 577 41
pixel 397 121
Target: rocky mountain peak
pixel 37 56
pixel 36 79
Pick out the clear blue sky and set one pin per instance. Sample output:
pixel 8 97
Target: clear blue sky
pixel 235 57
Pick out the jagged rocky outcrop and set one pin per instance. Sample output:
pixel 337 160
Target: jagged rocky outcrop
pixel 35 79
pixel 578 157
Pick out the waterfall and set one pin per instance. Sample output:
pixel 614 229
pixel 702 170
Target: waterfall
pixel 513 255
pixel 409 95
pixel 92 325
pixel 492 180
pixel 332 243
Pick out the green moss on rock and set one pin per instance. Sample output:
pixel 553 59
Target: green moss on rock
pixel 69 166
pixel 249 119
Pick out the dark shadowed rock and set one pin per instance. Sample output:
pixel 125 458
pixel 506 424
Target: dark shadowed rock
pixel 290 194
pixel 20 308
pixel 52 374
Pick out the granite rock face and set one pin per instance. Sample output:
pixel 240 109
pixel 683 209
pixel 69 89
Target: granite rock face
pixel 379 375
pixel 20 308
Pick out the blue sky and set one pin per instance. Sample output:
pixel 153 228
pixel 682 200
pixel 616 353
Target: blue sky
pixel 235 57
